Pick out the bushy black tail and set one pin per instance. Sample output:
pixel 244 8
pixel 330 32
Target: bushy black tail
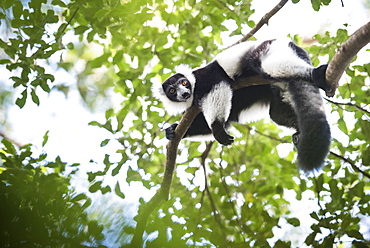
pixel 314 130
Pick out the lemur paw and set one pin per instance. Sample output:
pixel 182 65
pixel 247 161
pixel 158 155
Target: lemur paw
pixel 319 79
pixel 221 135
pixel 170 131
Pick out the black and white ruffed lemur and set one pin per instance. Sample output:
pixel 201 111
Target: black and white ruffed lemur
pixel 293 101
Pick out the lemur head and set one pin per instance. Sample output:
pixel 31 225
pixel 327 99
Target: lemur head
pixel 177 88
pixel 176 92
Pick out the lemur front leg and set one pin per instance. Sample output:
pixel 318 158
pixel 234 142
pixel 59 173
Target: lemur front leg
pixel 170 131
pixel 218 132
pixel 199 128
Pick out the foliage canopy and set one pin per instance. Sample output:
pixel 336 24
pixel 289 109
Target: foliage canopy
pixel 221 196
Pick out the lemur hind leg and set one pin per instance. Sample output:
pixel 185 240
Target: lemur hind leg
pixel 282 112
pixel 282 60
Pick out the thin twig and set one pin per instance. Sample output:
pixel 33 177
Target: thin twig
pixel 349 104
pixel 264 20
pixel 11 140
pixel 206 188
pixel 266 135
pixel 240 224
pixel 355 167
pixel 216 214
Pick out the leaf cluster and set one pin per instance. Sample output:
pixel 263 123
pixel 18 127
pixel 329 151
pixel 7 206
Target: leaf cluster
pixel 38 207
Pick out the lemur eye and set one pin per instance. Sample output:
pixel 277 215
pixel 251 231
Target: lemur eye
pixel 184 83
pixel 172 91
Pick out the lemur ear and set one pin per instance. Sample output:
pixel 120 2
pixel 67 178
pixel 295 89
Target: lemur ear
pixel 187 72
pixel 157 90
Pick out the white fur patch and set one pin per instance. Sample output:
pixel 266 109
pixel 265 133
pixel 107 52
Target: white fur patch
pixel 203 137
pixel 254 113
pixel 188 73
pixel 282 61
pixel 216 105
pixel 229 59
pixel 286 97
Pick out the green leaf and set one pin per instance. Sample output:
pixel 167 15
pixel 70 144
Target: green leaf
pixel 45 138
pixel 59 3
pixel 334 189
pixel 95 123
pixel 9 147
pixel 316 4
pixel 365 127
pixel 35 98
pixel 44 85
pixel 314 216
pixel 17 9
pixel 294 221
pixel 80 29
pixel 104 142
pixel 355 234
pixel 105 189
pixel 4 61
pixel 116 170
pixel 95 187
pixel 342 126
pixel 79 197
pixel 132 175
pixel 22 100
pixel 310 238
pixel 282 244
pixel 118 191
pixel 359 244
pixel 17 23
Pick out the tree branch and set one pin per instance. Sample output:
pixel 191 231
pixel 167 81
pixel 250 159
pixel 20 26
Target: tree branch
pixel 344 56
pixel 353 165
pixel 216 213
pixel 264 20
pixel 349 104
pixel 163 193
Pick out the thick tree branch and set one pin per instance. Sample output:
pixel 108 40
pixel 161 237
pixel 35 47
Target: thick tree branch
pixel 172 145
pixel 163 193
pixel 344 56
pixel 264 20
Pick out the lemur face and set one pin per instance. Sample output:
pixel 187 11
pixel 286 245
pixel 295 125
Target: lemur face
pixel 177 88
